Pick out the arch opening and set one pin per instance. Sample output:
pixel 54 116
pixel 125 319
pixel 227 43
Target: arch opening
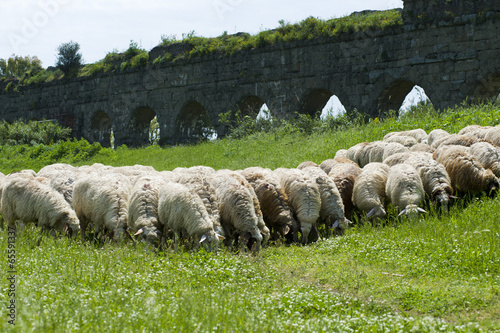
pixel 314 102
pixel 401 96
pixel 140 127
pixel 250 106
pixel 488 90
pixel 193 124
pixel 101 129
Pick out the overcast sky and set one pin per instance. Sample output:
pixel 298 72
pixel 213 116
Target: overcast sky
pixel 38 27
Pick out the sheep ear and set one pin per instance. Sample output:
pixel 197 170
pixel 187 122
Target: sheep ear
pixel 140 231
pixel 203 238
pixel 421 210
pixel 404 211
pixel 220 237
pixel 348 221
pixel 371 213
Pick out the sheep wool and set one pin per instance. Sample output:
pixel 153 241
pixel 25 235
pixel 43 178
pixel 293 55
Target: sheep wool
pixel 369 190
pixel 31 199
pixel 344 175
pixel 404 188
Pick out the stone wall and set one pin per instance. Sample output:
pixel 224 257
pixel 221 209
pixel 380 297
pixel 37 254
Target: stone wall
pixel 369 71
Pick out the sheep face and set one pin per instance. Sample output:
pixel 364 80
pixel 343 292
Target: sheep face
pixel 69 220
pixel 493 184
pixel 377 213
pixel 210 241
pixel 305 228
pixel 148 234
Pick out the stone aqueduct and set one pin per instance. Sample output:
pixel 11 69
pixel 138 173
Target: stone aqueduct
pixel 450 48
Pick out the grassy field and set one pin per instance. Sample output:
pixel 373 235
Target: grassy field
pixel 438 273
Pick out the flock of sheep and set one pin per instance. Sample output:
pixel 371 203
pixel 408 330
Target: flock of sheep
pixel 246 208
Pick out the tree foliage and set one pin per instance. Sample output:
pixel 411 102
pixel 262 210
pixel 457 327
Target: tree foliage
pixel 69 59
pixel 18 66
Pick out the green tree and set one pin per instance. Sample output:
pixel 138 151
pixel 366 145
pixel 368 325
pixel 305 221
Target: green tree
pixel 69 59
pixel 17 66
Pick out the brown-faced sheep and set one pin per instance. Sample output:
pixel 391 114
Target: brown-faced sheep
pixel 467 174
pixel 344 175
pixel 273 200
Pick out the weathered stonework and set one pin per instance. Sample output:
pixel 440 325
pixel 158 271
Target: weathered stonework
pixel 452 59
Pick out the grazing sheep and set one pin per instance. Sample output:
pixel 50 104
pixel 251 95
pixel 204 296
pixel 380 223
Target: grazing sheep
pixel 143 208
pixel 488 155
pixel 49 169
pixel 62 180
pixel 133 173
pixel 407 141
pixel 436 135
pixel 198 179
pixel 29 199
pixel 404 189
pixel 273 200
pixel 331 213
pixel 103 201
pixel 304 197
pixel 328 164
pixel 237 209
pixel 397 158
pixel 183 212
pixel 369 190
pixel 393 148
pixel 306 164
pixel 344 175
pixel 467 174
pixel 435 178
pixel 418 134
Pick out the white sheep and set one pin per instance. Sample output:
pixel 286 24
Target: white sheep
pixel 331 213
pixel 237 210
pixel 455 139
pixel 183 212
pixel 198 179
pixel 341 153
pixel 102 199
pixel 407 141
pixel 435 135
pixel 369 190
pixel 476 131
pixel 328 164
pixel 273 200
pixel 467 174
pixel 393 148
pixel 143 208
pixel 404 189
pixel 493 135
pixel 418 134
pixel 304 197
pixel 488 155
pixel 358 154
pixel 435 178
pixel 31 199
pixel 423 148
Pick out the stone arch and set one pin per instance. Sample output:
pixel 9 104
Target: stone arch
pixel 250 105
pixel 393 97
pixel 314 101
pixel 193 123
pixel 139 126
pixel 100 128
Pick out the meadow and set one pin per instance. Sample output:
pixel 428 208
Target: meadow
pixel 440 272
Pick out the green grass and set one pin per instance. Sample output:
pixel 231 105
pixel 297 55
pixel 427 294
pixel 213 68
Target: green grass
pixel 436 273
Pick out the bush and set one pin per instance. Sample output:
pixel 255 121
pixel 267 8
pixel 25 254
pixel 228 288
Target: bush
pixel 69 59
pixel 32 133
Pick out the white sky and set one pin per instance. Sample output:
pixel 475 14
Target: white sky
pixel 38 27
